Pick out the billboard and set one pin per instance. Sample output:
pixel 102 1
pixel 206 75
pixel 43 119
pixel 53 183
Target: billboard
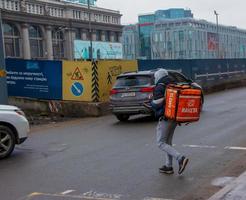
pixel 101 50
pixel 213 41
pixel 34 79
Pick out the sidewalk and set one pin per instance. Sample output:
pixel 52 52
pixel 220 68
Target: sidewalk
pixel 236 190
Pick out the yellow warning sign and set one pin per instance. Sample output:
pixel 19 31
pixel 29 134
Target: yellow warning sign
pixel 77 81
pixel 77 75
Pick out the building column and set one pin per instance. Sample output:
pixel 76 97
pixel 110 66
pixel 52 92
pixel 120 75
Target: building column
pixel 103 37
pixel 69 44
pixel 26 41
pixel 94 36
pixel 120 37
pixel 84 34
pixel 112 36
pixel 49 44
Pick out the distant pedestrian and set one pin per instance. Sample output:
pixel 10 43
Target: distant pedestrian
pixel 165 128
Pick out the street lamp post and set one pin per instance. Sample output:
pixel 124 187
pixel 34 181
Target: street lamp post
pixel 3 82
pixel 217 25
pixel 90 31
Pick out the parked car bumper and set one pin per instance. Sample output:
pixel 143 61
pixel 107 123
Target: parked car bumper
pixel 21 140
pixel 23 129
pixel 131 110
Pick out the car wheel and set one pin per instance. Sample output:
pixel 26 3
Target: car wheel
pixel 7 141
pixel 123 117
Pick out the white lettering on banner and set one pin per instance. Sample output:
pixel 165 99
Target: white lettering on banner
pixel 13 77
pixel 189 110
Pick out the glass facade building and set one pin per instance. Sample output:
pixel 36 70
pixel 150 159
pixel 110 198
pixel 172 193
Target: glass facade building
pixel 146 25
pixel 196 39
pixel 130 42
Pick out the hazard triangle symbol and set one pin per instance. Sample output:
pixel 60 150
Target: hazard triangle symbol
pixel 77 75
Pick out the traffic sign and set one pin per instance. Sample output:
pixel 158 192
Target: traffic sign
pixel 77 89
pixel 77 75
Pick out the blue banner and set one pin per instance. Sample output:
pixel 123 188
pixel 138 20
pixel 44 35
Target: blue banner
pixel 206 72
pixel 34 79
pixel 183 66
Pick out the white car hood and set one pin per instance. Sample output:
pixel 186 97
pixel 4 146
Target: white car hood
pixel 7 107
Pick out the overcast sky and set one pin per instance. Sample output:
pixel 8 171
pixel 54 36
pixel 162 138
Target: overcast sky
pixel 231 12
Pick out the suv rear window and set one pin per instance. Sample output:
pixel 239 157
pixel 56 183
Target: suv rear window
pixel 133 81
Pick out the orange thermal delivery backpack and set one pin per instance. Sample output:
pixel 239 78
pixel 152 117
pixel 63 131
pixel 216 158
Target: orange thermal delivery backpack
pixel 183 103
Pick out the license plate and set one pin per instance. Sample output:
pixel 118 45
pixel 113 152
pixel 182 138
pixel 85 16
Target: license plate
pixel 130 94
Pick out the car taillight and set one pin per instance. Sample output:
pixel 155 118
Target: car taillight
pixel 20 112
pixel 147 89
pixel 113 91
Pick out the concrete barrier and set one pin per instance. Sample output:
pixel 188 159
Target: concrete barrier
pixel 61 108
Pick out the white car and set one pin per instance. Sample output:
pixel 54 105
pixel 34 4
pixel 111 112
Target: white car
pixel 14 128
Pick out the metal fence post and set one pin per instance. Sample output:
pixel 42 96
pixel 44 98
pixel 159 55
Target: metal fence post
pixel 3 81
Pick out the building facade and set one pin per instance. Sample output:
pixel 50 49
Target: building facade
pixel 146 25
pixel 47 29
pixel 196 39
pixel 130 40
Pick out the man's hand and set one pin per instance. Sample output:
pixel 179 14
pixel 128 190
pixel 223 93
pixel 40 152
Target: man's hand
pixel 147 105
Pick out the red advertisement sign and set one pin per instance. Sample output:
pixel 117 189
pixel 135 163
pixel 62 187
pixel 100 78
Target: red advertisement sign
pixel 213 41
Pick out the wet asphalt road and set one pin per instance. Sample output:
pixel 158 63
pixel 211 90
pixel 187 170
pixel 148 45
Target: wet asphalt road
pixel 101 157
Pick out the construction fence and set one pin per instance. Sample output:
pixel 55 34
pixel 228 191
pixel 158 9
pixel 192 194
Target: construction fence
pixel 86 81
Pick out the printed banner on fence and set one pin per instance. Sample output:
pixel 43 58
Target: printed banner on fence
pixel 77 81
pixel 108 72
pixel 34 79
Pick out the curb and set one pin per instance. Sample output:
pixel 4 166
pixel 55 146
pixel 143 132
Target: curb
pixel 235 190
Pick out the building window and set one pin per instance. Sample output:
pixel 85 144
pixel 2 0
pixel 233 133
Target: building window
pixel 11 40
pixel 98 35
pixel 76 14
pixel 58 43
pixel 107 36
pixel 77 34
pixel 36 42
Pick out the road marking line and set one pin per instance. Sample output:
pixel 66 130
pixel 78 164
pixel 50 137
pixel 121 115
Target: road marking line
pixel 150 198
pixel 68 196
pixel 34 194
pixel 199 146
pixel 94 194
pixel 235 148
pixel 67 192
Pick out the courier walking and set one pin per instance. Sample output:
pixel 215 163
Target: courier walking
pixel 173 104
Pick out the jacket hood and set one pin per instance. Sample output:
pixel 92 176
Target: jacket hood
pixel 160 74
